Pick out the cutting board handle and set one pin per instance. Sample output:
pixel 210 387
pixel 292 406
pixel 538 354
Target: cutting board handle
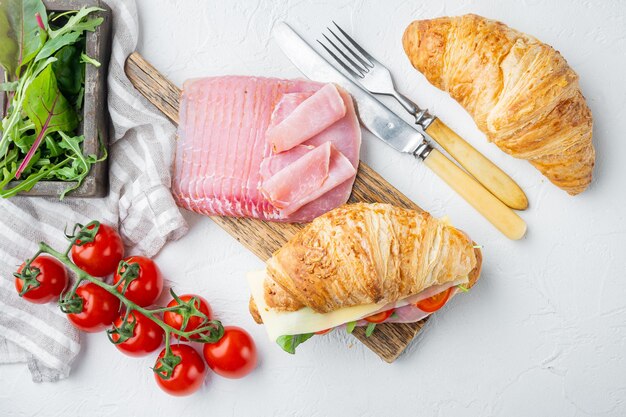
pixel 153 85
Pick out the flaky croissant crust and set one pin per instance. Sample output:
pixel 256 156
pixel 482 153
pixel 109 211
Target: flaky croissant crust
pixel 521 92
pixel 366 253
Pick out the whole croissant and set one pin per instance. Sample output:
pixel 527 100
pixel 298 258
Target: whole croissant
pixel 521 92
pixel 366 253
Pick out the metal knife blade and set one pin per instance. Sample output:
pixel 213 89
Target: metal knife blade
pixel 374 115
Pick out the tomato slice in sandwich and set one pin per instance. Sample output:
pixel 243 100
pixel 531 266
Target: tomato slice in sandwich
pixel 379 317
pixel 434 303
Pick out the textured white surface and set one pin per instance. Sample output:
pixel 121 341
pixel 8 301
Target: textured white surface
pixel 544 332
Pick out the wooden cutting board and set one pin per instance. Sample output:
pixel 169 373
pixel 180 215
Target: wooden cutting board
pixel 263 238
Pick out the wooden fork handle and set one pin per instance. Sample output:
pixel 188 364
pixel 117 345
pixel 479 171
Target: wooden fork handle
pixel 494 210
pixel 481 168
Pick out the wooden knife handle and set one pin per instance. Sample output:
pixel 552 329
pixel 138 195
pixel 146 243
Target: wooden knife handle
pixel 494 210
pixel 481 168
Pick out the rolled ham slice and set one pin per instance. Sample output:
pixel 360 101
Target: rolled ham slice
pixel 311 117
pixel 308 178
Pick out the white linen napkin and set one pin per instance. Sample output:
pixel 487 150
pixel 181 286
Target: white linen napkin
pixel 139 202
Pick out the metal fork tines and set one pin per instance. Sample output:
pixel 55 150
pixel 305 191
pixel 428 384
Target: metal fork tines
pixel 370 73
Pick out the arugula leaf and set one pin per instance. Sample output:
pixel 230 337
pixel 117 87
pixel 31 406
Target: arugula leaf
pixel 9 160
pixel 370 329
pixel 76 23
pixel 350 326
pixel 52 147
pixel 70 32
pixel 53 45
pixel 84 58
pixel 81 164
pixel 46 107
pixel 29 182
pixel 289 343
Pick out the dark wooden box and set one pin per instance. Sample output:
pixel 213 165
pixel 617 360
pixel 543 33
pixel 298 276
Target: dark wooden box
pixel 95 114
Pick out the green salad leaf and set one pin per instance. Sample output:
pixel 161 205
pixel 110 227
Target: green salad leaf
pixel 289 343
pixel 21 37
pixel 68 70
pixel 350 326
pixel 9 47
pixel 370 329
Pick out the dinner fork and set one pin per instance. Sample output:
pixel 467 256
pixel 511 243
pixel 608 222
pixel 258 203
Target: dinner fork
pixel 376 78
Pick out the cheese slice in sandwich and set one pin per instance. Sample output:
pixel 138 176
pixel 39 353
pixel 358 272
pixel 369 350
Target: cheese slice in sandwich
pixel 306 320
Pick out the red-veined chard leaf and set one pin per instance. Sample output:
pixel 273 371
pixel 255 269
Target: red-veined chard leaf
pixel 46 107
pixel 21 38
pixel 9 13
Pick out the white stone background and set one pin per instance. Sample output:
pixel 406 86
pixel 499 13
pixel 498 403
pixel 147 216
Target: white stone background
pixel 542 334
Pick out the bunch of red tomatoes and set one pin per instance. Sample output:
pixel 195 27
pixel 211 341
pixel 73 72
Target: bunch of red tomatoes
pixel 234 355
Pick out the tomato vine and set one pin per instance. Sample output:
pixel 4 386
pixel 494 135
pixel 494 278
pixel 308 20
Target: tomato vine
pixel 209 331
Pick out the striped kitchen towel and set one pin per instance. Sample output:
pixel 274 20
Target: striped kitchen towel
pixel 139 202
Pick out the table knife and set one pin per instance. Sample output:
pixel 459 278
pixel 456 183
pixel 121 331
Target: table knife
pixel 398 134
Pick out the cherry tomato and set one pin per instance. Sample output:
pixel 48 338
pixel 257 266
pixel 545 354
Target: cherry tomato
pixel 147 335
pixel 380 317
pixel 100 309
pixel 321 332
pixel 100 257
pixel 176 320
pixel 52 280
pixel 147 287
pixel 234 355
pixel 188 375
pixel 435 302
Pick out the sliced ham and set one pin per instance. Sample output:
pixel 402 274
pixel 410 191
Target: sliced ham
pixel 345 135
pixel 223 157
pixel 309 177
pixel 274 163
pixel 309 118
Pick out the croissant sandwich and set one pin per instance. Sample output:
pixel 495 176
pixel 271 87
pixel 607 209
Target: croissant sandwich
pixel 521 92
pixel 359 265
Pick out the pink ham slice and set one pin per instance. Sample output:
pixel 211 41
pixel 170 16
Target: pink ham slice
pixel 311 117
pixel 345 135
pixel 274 163
pixel 223 157
pixel 308 178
